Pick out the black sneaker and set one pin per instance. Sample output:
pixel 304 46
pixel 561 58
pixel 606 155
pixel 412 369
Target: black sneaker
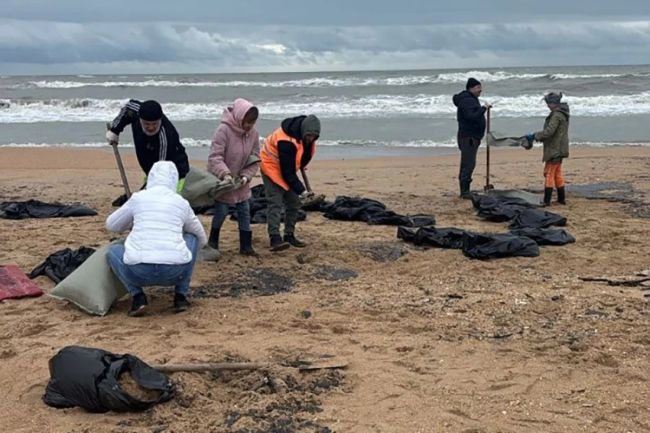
pixel 294 241
pixel 181 303
pixel 138 305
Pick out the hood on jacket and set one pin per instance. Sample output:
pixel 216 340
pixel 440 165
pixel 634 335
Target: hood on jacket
pixel 462 95
pixel 564 109
pixel 163 173
pixel 233 116
pixel 292 127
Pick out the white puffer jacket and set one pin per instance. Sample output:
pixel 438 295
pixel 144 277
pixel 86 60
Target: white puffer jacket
pixel 159 217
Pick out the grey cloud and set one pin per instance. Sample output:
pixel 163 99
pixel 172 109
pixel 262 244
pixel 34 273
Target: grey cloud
pixel 332 12
pixel 202 48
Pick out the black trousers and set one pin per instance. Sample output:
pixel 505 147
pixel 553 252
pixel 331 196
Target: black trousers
pixel 468 149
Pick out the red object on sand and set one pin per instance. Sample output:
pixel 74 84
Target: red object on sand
pixel 14 284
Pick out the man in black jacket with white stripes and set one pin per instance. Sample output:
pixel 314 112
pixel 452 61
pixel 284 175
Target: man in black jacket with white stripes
pixel 154 136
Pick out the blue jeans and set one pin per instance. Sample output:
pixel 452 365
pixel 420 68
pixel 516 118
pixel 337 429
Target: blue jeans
pixel 243 215
pixel 135 277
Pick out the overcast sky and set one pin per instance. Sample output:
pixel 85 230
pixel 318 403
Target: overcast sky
pixel 122 36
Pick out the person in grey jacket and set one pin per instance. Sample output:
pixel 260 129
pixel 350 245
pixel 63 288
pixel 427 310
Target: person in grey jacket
pixel 555 137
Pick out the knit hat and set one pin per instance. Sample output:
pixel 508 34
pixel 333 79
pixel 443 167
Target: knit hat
pixel 553 98
pixel 472 82
pixel 150 111
pixel 310 125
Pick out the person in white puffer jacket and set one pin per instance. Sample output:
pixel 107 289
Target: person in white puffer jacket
pixel 161 248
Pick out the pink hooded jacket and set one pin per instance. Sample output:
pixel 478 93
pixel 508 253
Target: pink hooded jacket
pixel 231 148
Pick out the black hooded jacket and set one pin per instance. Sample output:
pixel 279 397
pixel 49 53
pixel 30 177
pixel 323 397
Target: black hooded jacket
pixel 470 115
pixel 164 146
pixel 287 154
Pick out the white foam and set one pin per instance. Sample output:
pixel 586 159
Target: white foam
pixel 370 106
pixel 323 81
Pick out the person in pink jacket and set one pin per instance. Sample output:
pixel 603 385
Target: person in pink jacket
pixel 235 143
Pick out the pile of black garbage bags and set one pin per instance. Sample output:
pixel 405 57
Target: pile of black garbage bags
pixel 529 227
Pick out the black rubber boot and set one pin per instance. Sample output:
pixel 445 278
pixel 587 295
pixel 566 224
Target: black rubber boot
pixel 277 244
pixel 213 240
pixel 138 305
pixel 294 241
pixel 465 191
pixel 561 195
pixel 181 303
pixel 246 243
pixel 548 193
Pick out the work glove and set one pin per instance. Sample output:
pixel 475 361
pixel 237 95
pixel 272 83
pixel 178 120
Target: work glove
pixel 244 180
pixel 112 137
pixel 306 195
pixel 227 178
pixel 529 141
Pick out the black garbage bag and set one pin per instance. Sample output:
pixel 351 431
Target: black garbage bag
pixel 390 218
pixel 37 209
pixel 57 266
pixel 353 208
pixel 498 209
pixel 119 201
pixel 536 218
pixel 491 246
pixel 317 206
pixel 545 236
pixel 433 237
pixel 485 201
pixel 372 212
pixel 88 378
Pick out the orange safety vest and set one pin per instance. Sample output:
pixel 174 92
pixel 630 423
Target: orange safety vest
pixel 270 164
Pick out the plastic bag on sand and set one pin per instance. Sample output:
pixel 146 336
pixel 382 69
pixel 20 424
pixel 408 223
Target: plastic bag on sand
pixel 100 381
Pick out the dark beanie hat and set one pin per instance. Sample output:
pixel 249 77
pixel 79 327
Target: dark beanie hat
pixel 310 125
pixel 472 82
pixel 150 111
pixel 553 98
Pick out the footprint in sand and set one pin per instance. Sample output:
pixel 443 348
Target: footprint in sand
pixel 7 353
pixel 32 330
pixel 33 394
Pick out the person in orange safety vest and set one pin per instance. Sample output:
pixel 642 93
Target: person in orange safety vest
pixel 286 151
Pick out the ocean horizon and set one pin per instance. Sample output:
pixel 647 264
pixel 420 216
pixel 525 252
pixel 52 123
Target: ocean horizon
pixel 383 112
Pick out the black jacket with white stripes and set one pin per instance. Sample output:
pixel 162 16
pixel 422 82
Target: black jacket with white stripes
pixel 164 146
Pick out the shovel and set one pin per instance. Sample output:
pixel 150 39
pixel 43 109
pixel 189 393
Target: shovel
pixel 488 186
pixel 120 166
pixel 329 364
pixel 304 177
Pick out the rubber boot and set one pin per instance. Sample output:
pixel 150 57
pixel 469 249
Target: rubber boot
pixel 246 243
pixel 277 244
pixel 561 195
pixel 465 191
pixel 294 241
pixel 181 303
pixel 548 193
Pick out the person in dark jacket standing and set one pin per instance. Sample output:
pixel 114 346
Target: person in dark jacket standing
pixel 471 128
pixel 154 136
pixel 285 152
pixel 555 137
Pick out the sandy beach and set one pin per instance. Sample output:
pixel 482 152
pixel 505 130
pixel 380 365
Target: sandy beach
pixel 434 341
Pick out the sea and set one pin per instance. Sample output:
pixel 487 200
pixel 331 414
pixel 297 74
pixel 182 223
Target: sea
pixel 363 114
